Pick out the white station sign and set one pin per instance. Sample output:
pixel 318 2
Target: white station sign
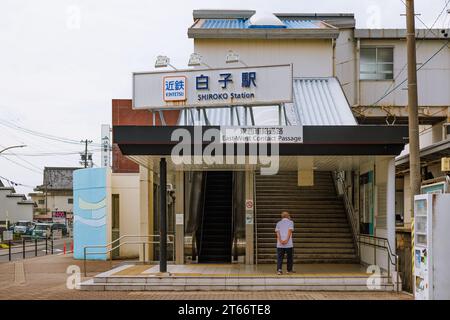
pixel 260 85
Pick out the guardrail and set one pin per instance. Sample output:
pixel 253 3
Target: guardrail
pixel 112 247
pixel 33 242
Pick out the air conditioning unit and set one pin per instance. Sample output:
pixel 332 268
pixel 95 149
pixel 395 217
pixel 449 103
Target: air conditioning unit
pixel 445 164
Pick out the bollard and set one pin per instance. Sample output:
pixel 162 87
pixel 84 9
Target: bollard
pixel 35 247
pixel 71 246
pixel 64 248
pixel 23 248
pixel 52 245
pixel 9 250
pixel 46 247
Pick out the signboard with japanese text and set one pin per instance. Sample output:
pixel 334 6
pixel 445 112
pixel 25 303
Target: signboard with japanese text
pixel 259 134
pixel 106 146
pixel 255 86
pixel 174 88
pixel 59 217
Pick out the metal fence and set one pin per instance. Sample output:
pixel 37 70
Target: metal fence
pixel 28 247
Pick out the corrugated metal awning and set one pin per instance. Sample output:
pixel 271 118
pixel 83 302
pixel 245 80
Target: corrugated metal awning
pixel 290 23
pixel 317 101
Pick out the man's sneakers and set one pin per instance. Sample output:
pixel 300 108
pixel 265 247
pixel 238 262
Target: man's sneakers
pixel 279 272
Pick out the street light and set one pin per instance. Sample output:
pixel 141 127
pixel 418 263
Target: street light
pixel 163 62
pixel 12 147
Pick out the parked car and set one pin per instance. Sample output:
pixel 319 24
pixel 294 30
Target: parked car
pixel 60 226
pixel 24 227
pixel 42 230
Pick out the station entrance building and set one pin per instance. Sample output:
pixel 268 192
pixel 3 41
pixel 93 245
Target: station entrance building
pixel 212 194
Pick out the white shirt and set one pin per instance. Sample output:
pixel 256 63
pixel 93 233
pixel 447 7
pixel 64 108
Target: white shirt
pixel 283 226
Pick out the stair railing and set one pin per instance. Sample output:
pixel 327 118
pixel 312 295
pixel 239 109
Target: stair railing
pixel 382 243
pixel 363 239
pixel 255 225
pixel 340 184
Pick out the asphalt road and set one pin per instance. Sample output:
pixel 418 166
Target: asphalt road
pixel 30 252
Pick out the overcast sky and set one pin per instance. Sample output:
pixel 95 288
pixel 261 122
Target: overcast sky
pixel 61 62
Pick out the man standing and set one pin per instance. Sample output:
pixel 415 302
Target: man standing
pixel 285 245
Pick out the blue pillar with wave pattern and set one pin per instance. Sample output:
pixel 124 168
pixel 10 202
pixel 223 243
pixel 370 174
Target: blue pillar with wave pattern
pixel 90 212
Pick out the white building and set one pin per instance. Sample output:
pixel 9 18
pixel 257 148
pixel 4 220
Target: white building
pixel 13 206
pixel 55 193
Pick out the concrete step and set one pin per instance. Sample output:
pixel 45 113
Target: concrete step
pixel 301 240
pixel 312 234
pixel 302 250
pixel 301 203
pixel 303 224
pixel 300 214
pixel 322 232
pixel 307 256
pixel 250 283
pixel 273 260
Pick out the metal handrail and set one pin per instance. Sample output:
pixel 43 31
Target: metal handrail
pixel 373 240
pixel 386 245
pixel 85 253
pixel 349 208
pixel 392 258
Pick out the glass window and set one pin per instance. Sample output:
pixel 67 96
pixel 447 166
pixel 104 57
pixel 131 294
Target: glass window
pixel 377 63
pixel 41 201
pixel 70 200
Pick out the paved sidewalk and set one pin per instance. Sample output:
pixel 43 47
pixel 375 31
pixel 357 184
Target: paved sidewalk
pixel 45 278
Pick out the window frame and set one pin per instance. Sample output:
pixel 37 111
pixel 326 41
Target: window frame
pixel 377 64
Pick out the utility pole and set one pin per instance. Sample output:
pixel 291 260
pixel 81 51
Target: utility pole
pixel 46 185
pixel 413 115
pixel 86 142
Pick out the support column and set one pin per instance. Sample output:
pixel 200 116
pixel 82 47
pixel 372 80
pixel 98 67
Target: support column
pixel 163 215
pixel 249 217
pixel 179 217
pixel 146 210
pixel 390 205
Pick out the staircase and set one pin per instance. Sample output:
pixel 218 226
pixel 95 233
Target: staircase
pixel 322 232
pixel 216 235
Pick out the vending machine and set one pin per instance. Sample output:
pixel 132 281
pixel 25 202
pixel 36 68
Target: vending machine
pixel 431 250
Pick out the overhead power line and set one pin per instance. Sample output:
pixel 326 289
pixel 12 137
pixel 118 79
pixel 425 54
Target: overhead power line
pixel 13 183
pixel 41 134
pixel 429 29
pixel 401 83
pixel 48 154
pixel 23 166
